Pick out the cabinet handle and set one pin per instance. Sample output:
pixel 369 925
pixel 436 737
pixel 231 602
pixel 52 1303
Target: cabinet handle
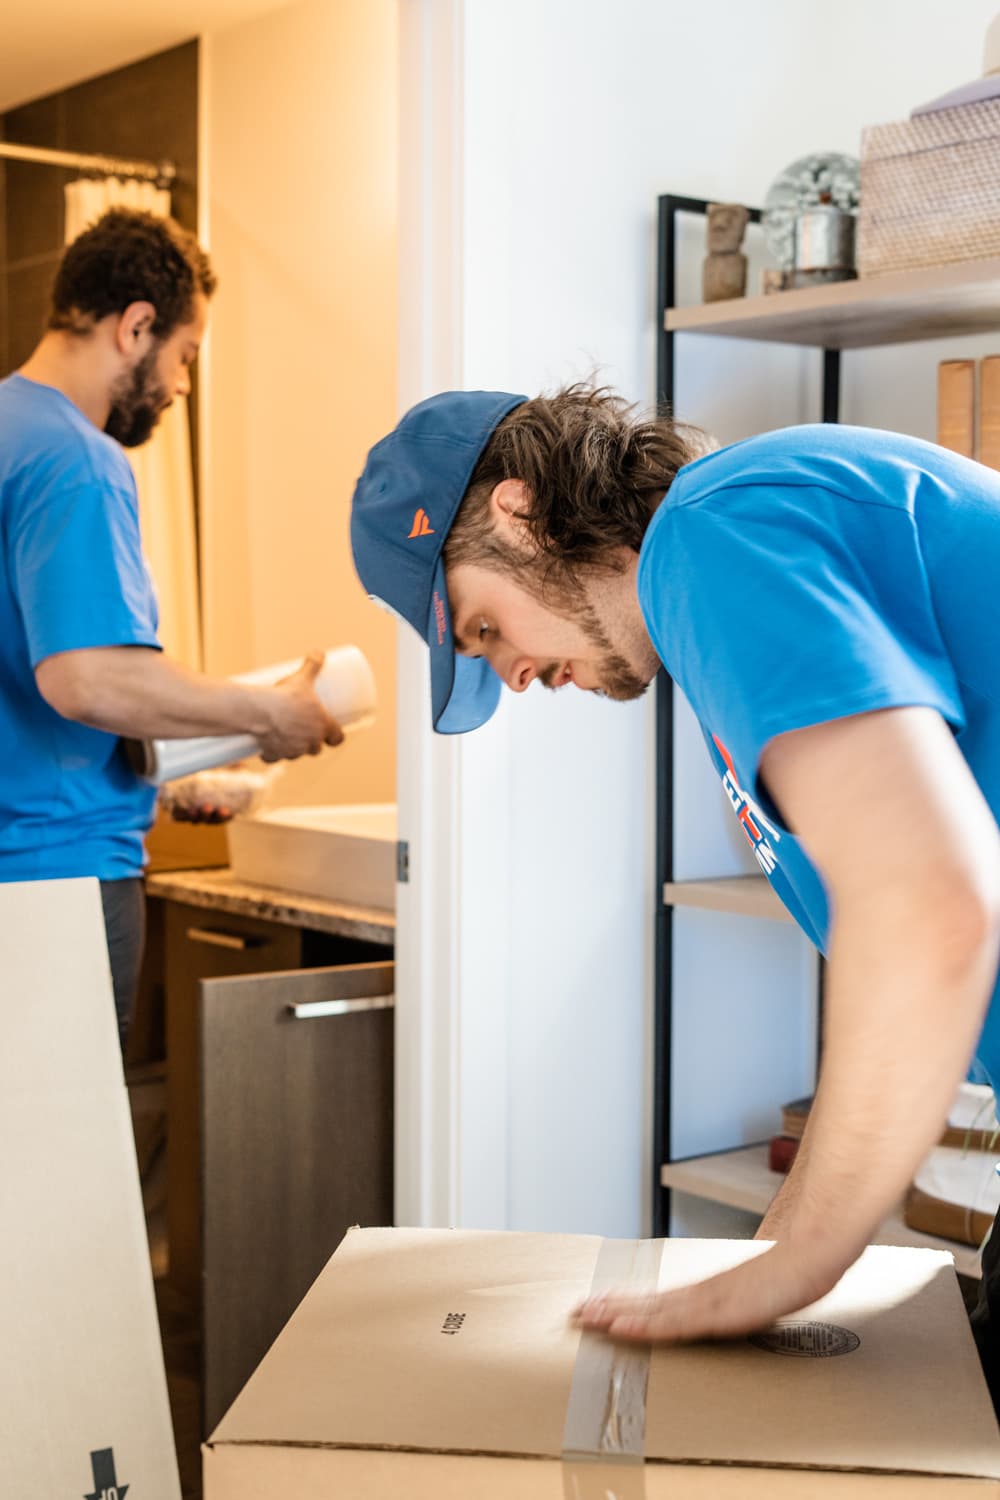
pixel 216 939
pixel 312 1010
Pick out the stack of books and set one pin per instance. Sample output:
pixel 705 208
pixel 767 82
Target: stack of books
pixel 968 413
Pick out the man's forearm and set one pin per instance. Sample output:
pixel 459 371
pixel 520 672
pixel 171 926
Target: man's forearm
pixel 905 1000
pixel 141 694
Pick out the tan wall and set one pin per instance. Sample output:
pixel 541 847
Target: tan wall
pixel 300 109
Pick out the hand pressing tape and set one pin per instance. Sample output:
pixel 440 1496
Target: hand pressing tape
pixel 604 1439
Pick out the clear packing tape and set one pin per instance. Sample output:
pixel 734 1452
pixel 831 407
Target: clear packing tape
pixel 604 1439
pixel 345 686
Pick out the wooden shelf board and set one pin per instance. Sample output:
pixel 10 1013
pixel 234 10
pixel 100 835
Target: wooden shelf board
pixel 904 306
pixel 740 895
pixel 742 1179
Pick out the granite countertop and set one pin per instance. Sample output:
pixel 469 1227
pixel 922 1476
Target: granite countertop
pixel 220 890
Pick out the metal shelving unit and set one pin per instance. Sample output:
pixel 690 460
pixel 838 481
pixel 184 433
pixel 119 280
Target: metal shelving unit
pixel 903 307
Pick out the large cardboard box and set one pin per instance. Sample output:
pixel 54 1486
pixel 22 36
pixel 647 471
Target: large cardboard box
pixel 83 1396
pixel 441 1365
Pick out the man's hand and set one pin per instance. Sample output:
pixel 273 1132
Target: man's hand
pixel 297 722
pixel 203 813
pixel 781 1280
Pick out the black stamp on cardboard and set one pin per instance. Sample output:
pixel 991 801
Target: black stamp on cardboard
pixel 807 1340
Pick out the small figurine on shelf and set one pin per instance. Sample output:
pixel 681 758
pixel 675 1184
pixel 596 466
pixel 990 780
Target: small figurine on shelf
pixel 724 270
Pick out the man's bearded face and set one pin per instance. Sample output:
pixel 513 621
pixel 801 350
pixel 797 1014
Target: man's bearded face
pixel 137 402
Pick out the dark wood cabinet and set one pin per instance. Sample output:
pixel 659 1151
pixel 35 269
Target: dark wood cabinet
pixel 296 1133
pixel 279 1044
pixel 201 944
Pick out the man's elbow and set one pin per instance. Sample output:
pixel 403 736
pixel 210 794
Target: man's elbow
pixel 946 917
pixel 966 922
pixel 68 685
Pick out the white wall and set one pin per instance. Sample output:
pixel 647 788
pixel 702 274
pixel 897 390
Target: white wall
pixel 577 114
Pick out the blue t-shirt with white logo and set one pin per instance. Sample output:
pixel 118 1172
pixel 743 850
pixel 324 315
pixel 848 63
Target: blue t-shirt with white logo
pixel 822 571
pixel 72 576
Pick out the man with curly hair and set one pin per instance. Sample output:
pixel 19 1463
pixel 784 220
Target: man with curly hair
pixel 826 597
pixel 80 664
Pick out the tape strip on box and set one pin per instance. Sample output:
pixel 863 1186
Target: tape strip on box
pixel 604 1439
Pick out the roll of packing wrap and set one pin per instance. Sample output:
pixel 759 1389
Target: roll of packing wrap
pixel 345 686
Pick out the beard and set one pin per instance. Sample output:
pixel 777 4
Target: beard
pixel 137 403
pixel 617 678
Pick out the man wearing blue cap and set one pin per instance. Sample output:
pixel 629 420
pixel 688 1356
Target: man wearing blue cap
pixel 826 598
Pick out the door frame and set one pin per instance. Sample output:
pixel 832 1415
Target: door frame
pixel 451 970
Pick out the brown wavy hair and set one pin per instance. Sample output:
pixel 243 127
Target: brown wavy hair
pixel 596 471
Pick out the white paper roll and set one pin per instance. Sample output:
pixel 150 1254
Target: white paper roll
pixel 345 686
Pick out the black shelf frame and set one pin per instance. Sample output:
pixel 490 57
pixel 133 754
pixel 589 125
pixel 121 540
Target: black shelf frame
pixel 669 206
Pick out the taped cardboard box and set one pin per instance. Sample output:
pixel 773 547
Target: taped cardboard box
pixel 83 1395
pixel 441 1365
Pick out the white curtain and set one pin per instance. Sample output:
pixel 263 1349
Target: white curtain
pixel 162 467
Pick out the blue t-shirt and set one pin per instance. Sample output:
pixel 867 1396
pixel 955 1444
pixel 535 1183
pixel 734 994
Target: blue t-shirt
pixel 817 572
pixel 72 575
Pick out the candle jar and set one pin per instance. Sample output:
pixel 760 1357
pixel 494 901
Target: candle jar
pixel 824 245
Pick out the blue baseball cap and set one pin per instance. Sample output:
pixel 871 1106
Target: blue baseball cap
pixel 404 505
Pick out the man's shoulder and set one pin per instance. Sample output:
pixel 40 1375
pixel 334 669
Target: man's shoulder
pixel 856 461
pixel 43 433
pixel 791 490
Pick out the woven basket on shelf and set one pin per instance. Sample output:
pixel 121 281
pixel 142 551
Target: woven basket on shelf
pixel 930 190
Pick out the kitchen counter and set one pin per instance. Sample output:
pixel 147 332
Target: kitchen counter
pixel 220 890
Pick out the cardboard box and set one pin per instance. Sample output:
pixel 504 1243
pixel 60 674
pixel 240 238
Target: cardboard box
pixel 83 1395
pixel 185 846
pixel 441 1365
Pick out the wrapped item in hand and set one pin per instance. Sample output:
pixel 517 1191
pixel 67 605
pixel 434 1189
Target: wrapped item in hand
pixel 218 795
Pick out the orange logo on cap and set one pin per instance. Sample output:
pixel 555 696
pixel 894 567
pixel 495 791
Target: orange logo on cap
pixel 421 525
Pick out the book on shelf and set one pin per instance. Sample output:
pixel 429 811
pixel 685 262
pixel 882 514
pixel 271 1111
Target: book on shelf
pixel 956 406
pixel 988 447
pixel 794 1117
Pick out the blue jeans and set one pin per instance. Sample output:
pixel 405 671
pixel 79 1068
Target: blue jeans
pixel 124 903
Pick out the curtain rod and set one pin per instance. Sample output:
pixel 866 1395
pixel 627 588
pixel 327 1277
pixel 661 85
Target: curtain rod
pixel 163 173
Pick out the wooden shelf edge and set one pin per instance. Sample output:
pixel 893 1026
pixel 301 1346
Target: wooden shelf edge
pixel 738 895
pixel 899 307
pixel 741 1179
